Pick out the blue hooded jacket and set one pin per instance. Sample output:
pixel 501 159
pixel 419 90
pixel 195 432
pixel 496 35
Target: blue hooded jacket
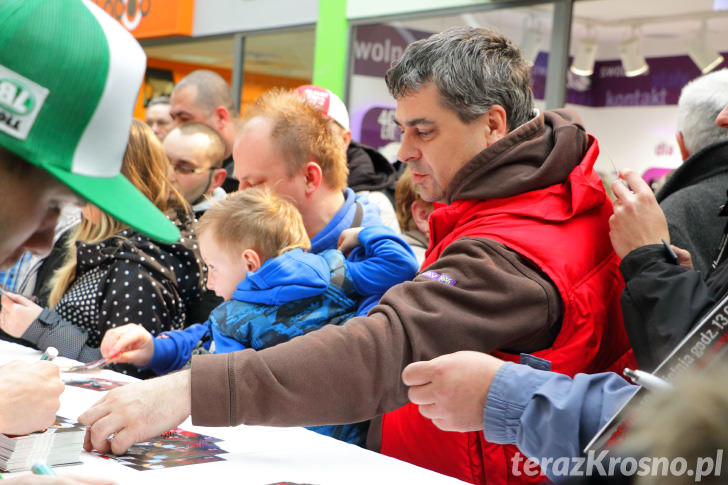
pixel 291 295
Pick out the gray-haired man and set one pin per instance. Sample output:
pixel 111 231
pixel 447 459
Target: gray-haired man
pixel 693 194
pixel 517 257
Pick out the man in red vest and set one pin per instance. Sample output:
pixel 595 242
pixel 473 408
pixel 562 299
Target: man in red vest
pixel 519 265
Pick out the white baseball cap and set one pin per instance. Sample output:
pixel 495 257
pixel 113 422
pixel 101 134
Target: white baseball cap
pixel 330 104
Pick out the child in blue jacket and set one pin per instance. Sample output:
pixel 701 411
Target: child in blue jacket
pixel 253 243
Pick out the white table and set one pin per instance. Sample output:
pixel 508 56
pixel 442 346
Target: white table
pixel 256 455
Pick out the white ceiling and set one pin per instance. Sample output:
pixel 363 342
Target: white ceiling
pixel 663 25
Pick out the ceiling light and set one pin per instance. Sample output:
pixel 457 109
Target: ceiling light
pixel 586 55
pixel 702 55
pixel 633 61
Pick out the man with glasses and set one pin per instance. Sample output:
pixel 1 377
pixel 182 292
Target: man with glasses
pixel 195 152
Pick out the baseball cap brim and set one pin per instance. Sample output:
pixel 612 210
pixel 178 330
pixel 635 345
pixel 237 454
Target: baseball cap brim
pixel 120 199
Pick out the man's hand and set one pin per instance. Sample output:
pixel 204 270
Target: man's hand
pixel 30 396
pixel 348 240
pixel 683 257
pixel 451 389
pixel 637 220
pixel 17 314
pixel 136 412
pixel 133 344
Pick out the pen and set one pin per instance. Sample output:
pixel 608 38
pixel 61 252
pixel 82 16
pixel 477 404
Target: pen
pixel 619 174
pixel 49 354
pixel 670 252
pixel 648 381
pixel 42 468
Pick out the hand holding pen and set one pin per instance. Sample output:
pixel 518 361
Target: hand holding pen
pixel 30 396
pixel 637 220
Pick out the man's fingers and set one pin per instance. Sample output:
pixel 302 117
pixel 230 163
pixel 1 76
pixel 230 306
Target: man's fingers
pixel 123 439
pixel 621 191
pixel 444 425
pixel 102 430
pixel 95 412
pixel 429 411
pixel 636 183
pixel 424 394
pixel 418 373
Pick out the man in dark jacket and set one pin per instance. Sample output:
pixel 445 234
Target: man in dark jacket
pixel 692 195
pixel 519 192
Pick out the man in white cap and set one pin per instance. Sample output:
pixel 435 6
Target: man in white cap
pixel 65 113
pixel 370 173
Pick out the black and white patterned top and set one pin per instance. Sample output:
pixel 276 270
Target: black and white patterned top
pixel 127 278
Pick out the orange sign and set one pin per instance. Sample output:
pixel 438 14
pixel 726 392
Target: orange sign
pixel 152 18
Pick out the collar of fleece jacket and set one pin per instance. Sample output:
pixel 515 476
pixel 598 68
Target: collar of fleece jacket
pixel 535 155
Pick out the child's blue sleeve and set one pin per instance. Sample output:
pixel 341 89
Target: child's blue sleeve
pixel 225 344
pixel 382 261
pixel 172 350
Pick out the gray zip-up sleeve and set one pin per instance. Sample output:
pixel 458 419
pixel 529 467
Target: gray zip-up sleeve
pixel 51 330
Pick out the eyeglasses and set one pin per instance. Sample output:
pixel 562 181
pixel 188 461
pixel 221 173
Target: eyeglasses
pixel 188 170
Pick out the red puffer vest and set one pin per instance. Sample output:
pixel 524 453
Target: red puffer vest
pixel 563 229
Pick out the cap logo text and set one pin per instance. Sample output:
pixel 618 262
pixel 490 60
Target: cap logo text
pixel 20 102
pixel 15 97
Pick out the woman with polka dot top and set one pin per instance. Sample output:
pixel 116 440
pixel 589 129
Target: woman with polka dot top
pixel 112 274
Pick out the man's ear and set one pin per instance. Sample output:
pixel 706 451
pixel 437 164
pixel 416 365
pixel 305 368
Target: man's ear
pixel 681 143
pixel 347 138
pixel 251 260
pixel 421 216
pixel 313 176
pixel 223 117
pixel 496 124
pixel 218 178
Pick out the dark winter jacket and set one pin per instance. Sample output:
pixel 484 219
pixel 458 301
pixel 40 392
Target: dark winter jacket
pixel 691 200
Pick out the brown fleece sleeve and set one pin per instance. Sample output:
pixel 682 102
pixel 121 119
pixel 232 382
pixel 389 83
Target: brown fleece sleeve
pixel 348 373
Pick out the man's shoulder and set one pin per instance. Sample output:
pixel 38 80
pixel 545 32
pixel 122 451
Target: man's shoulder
pixel 706 193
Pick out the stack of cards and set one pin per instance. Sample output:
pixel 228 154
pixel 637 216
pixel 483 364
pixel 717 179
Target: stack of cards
pixel 60 444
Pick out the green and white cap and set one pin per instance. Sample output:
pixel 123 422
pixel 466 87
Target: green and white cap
pixel 69 78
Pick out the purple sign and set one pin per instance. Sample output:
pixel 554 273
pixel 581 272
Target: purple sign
pixel 378 127
pixel 376 46
pixel 609 87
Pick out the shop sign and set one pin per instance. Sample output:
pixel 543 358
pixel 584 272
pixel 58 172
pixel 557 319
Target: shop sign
pixel 152 18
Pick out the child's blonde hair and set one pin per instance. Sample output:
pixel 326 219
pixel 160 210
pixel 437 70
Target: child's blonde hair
pixel 256 218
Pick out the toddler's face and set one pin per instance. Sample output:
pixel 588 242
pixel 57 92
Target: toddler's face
pixel 224 270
